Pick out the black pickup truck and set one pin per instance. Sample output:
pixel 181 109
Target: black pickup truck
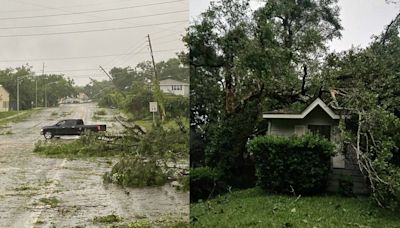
pixel 69 127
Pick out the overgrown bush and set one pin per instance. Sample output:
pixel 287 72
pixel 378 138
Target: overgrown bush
pixel 137 103
pixel 297 165
pixel 205 182
pixel 176 106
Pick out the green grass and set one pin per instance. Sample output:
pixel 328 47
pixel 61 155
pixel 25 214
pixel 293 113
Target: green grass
pixel 148 123
pixel 166 221
pixel 7 114
pixel 9 132
pixel 26 188
pixel 254 208
pixel 40 222
pixel 14 116
pixel 107 219
pixel 52 201
pixel 101 112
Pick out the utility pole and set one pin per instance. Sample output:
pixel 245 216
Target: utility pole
pixel 17 94
pixel 152 57
pixel 108 75
pixel 45 95
pixel 36 90
pixel 156 83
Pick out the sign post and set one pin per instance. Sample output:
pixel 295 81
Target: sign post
pixel 153 109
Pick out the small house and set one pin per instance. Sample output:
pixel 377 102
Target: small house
pixel 4 99
pixel 174 87
pixel 320 119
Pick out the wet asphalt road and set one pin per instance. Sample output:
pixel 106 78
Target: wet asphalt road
pixel 41 192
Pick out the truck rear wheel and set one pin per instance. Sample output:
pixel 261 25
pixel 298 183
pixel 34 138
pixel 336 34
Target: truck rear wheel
pixel 48 135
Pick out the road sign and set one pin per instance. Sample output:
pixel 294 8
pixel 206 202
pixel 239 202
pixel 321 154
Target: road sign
pixel 153 107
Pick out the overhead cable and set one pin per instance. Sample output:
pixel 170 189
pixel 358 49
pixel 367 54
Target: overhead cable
pixel 91 11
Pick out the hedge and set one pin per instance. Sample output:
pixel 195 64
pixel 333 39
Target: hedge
pixel 296 165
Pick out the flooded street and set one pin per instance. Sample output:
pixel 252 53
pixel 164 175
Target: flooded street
pixel 36 191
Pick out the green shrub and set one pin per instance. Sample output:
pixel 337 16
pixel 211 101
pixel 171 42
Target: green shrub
pixel 205 183
pixel 298 165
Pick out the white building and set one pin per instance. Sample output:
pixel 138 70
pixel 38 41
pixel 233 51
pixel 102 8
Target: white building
pixel 4 99
pixel 319 118
pixel 174 87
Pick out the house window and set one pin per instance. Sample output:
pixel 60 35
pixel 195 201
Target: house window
pixel 322 130
pixel 177 87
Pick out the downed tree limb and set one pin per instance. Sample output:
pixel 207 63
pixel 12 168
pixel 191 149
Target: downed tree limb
pixel 130 126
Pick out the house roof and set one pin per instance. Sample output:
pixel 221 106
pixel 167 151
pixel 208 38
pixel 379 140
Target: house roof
pixel 172 82
pixel 312 106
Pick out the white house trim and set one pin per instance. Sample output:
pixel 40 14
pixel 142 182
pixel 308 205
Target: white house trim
pixel 311 107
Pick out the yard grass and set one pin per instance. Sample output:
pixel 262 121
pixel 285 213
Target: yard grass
pixel 148 123
pixel 14 116
pixel 255 208
pixel 7 114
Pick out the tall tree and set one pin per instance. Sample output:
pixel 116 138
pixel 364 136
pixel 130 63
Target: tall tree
pixel 238 57
pixel 364 84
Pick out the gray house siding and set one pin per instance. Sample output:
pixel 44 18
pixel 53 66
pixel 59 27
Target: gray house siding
pixel 286 127
pixel 341 165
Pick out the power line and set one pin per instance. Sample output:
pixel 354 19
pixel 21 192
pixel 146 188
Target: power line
pixel 87 76
pixel 71 70
pixel 93 69
pixel 125 58
pixel 91 11
pixel 85 15
pixel 65 6
pixel 93 30
pixel 128 57
pixel 71 58
pixel 63 58
pixel 115 60
pixel 168 41
pixel 93 22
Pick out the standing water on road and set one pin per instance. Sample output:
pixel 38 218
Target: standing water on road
pixel 36 191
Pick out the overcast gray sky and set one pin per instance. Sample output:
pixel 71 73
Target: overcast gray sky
pixel 360 19
pixel 74 37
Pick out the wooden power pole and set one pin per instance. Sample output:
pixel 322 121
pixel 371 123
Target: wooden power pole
pixel 156 83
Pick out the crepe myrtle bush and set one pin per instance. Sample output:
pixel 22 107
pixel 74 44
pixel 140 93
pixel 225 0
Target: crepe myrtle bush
pixel 295 165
